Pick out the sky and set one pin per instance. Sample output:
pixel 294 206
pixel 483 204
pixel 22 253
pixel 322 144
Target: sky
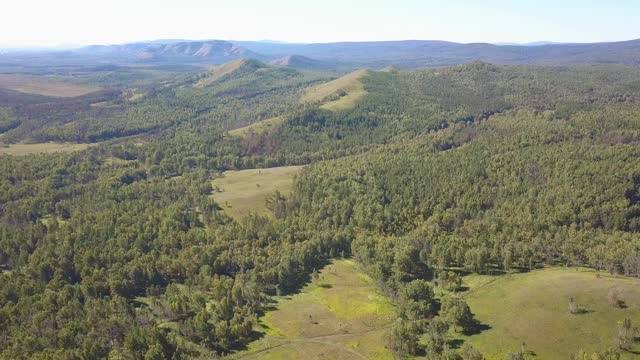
pixel 83 22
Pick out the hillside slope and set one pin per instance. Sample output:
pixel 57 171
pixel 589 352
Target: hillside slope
pixel 218 72
pixel 338 94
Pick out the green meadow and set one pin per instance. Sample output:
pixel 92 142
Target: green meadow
pixel 532 308
pixel 338 315
pixel 246 191
pixel 41 148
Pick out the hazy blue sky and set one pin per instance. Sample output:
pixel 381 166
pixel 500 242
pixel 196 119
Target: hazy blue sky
pixel 50 22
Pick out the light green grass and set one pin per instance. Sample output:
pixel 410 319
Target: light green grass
pixel 339 94
pixel 246 191
pixel 41 85
pixel 115 161
pixel 101 105
pixel 340 315
pixel 42 148
pixel 135 97
pixel 49 220
pixel 533 308
pixel 259 127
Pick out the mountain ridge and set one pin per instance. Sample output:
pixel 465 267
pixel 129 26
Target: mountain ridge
pixel 339 56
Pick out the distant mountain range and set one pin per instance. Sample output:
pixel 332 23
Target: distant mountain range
pixel 214 50
pixel 337 56
pixel 535 43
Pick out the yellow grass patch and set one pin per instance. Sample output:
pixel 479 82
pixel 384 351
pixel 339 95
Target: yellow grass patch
pixel 258 127
pixel 533 308
pixel 340 315
pixel 246 191
pixel 135 97
pixel 41 85
pixel 103 104
pixel 217 72
pixel 339 94
pixel 42 148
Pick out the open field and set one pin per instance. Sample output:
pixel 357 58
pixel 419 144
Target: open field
pixel 533 308
pixel 41 85
pixel 339 94
pixel 339 315
pixel 258 127
pixel 245 191
pixel 42 148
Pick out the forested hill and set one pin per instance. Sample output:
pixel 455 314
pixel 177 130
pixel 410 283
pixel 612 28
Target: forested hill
pixel 119 250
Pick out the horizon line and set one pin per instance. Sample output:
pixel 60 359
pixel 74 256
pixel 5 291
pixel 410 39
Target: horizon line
pixel 70 46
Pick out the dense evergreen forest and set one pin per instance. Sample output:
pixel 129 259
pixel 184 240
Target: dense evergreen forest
pixel 475 168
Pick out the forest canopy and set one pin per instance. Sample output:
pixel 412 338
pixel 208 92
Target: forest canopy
pixel 118 251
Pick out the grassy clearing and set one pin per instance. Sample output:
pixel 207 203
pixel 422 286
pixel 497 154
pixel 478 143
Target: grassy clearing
pixel 246 191
pixel 42 148
pixel 533 308
pixel 339 315
pixel 41 85
pixel 115 161
pixel 104 105
pixel 135 97
pixel 339 94
pixel 259 127
pixel 49 220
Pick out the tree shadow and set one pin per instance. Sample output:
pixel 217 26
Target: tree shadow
pixel 254 336
pixel 476 328
pixel 583 311
pixel 455 343
pixel 621 304
pixel 302 278
pixel 243 346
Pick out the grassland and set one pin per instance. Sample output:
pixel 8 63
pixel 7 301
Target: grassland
pixel 339 315
pixel 339 94
pixel 41 148
pixel 258 127
pixel 246 191
pixel 41 85
pixel 533 308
